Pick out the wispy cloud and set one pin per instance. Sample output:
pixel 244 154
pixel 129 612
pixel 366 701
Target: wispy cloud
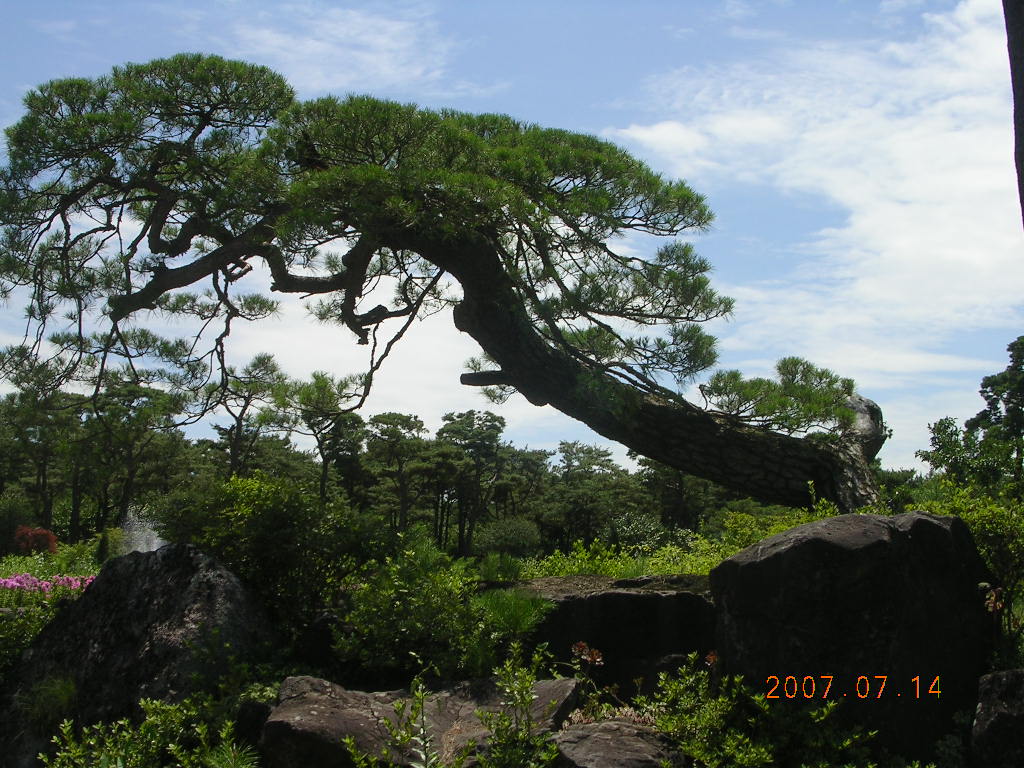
pixel 321 48
pixel 913 142
pixel 738 9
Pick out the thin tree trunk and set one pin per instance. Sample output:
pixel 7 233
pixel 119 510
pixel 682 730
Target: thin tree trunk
pixel 75 523
pixel 324 469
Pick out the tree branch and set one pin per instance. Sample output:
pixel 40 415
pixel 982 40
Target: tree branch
pixel 773 467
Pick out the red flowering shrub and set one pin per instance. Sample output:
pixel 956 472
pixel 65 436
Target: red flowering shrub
pixel 29 540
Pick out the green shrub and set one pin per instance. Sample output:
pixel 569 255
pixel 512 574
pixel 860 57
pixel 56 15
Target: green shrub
pixel 511 613
pixel 109 544
pixel 47 702
pixel 637 531
pixel 515 742
pixel 511 536
pixel 421 608
pixel 596 559
pixel 277 537
pixel 695 554
pixel 416 604
pixel 169 734
pixel 997 526
pixel 723 724
pixel 504 617
pixel 495 566
pixel 15 510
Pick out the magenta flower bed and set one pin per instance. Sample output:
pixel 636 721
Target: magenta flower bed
pixel 29 583
pixel 27 603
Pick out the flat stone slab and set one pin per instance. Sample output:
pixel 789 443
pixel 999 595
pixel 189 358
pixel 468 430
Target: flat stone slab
pixel 313 716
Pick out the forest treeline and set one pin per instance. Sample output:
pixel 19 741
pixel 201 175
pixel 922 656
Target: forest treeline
pixel 79 464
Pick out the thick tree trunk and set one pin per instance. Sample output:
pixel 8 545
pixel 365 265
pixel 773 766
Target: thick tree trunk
pixel 1013 12
pixel 771 467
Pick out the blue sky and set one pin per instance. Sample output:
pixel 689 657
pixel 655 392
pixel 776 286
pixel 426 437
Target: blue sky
pixel 857 153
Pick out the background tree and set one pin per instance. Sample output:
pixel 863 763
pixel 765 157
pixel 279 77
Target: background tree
pixel 393 444
pixel 683 501
pixel 41 423
pixel 989 450
pixel 190 169
pixel 1002 420
pixel 478 437
pixel 131 436
pixel 248 396
pixel 348 442
pixel 315 408
pixel 589 493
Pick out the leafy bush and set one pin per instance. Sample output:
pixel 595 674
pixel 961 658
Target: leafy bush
pixel 510 536
pixel 597 559
pixel 695 554
pixel 637 531
pixel 496 566
pixel 514 742
pixel 744 521
pixel 15 510
pixel 997 526
pixel 169 734
pixel 290 548
pixel 505 617
pixel 722 724
pixel 28 540
pixel 47 702
pixel 414 609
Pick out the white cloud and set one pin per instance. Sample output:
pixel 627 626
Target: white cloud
pixel 899 6
pixel 334 49
pixel 913 142
pixel 738 9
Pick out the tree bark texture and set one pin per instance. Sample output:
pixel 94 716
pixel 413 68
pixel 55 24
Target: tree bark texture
pixel 771 467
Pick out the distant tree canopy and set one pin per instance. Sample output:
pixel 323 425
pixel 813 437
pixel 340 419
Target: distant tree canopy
pixel 989 450
pixel 159 188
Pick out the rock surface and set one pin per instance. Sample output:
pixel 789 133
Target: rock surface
pixel 868 425
pixel 635 623
pixel 314 715
pixel 997 740
pixel 151 625
pixel 614 744
pixel 855 597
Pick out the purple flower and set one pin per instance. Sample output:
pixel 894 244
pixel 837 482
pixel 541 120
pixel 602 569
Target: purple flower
pixel 26 582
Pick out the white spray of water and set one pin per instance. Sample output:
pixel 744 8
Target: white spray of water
pixel 139 535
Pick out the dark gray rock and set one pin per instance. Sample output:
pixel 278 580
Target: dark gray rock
pixel 857 596
pixel 997 740
pixel 615 744
pixel 314 715
pixel 635 623
pixel 151 625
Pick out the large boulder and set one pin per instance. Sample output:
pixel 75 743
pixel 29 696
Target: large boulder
pixel 638 625
pixel 151 625
pixel 615 744
pixel 313 716
pixel 997 740
pixel 856 598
